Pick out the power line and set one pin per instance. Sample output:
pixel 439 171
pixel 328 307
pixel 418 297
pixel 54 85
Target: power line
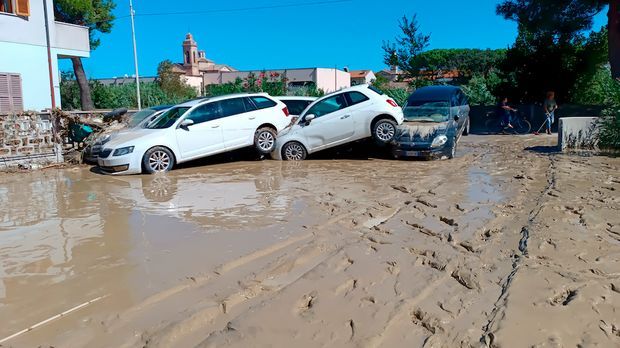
pixel 241 9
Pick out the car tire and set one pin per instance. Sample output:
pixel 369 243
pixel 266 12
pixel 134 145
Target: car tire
pixel 384 131
pixel 466 130
pixel 451 153
pixel 265 140
pixel 294 151
pixel 158 159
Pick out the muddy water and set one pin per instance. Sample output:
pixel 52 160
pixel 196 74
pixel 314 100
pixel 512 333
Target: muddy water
pixel 348 252
pixel 69 236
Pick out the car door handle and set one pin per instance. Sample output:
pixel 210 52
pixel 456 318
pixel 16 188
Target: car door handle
pixel 345 116
pixel 252 118
pixel 216 126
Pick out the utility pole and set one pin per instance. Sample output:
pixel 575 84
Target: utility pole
pixel 135 54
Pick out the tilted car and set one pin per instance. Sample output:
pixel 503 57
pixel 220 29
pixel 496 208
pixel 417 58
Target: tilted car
pixel 296 105
pixel 435 119
pixel 195 130
pixel 345 116
pixel 137 120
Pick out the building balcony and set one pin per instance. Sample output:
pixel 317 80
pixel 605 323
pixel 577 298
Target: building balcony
pixel 71 40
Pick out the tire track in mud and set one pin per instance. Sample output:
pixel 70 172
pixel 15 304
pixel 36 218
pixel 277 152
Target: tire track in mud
pixel 488 336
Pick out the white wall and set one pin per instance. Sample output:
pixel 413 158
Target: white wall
pixel 31 63
pixel 331 80
pixel 23 50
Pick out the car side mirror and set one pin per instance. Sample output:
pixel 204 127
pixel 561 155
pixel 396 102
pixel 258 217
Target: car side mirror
pixel 309 118
pixel 186 123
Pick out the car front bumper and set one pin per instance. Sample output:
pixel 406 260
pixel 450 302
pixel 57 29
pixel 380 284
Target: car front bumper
pixel 120 165
pixel 408 150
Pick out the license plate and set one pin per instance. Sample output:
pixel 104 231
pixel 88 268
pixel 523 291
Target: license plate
pixel 413 153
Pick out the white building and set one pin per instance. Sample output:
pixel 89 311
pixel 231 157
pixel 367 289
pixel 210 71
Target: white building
pixel 24 69
pixel 327 79
pixel 360 77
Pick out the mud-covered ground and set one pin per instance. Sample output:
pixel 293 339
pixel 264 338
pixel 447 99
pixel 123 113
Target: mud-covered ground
pixel 509 245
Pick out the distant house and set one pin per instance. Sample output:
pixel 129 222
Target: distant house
pixel 327 79
pixel 393 74
pixel 24 71
pixel 360 77
pixel 195 65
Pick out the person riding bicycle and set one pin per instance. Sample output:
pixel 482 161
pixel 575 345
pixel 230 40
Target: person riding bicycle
pixel 505 110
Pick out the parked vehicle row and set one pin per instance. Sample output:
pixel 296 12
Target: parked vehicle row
pixel 288 128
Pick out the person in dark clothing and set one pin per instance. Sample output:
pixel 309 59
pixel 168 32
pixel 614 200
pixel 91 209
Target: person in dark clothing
pixel 505 110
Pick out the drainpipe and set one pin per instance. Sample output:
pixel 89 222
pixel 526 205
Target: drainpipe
pixel 49 55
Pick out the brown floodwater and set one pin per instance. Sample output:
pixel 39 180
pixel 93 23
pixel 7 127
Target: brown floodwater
pixel 69 236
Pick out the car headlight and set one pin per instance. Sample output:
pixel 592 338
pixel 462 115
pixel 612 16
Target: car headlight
pixel 439 141
pixel 123 151
pixel 104 139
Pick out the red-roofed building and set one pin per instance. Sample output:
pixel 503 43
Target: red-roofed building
pixel 360 77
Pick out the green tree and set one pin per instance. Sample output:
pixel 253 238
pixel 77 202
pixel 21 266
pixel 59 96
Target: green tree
pixel 172 84
pixel 552 48
pixel 467 62
pixel 480 89
pixel 97 16
pixel 407 47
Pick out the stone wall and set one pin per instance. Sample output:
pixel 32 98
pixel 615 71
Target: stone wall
pixel 27 137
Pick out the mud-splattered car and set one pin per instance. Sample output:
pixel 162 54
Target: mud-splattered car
pixel 435 119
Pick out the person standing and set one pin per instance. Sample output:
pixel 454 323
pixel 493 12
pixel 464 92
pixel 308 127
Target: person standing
pixel 549 106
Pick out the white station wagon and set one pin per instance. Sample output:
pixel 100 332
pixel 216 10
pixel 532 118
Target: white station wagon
pixel 197 129
pixel 348 115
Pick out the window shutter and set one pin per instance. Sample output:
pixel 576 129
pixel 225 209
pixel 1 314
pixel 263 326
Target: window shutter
pixel 5 97
pixel 23 7
pixel 15 82
pixel 11 99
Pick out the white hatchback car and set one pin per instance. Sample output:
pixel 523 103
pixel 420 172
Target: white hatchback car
pixel 348 115
pixel 197 129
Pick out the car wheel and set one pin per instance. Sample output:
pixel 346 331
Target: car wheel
pixel 265 140
pixel 158 159
pixel 452 151
pixel 294 151
pixel 466 130
pixel 384 131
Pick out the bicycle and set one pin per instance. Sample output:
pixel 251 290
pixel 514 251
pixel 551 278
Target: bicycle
pixel 519 123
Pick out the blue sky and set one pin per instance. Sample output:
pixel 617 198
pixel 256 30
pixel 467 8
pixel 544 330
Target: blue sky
pixel 346 33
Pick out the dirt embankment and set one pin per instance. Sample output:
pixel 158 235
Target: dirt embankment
pixel 501 247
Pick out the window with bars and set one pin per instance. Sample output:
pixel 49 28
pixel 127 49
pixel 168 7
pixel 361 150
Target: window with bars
pixel 11 98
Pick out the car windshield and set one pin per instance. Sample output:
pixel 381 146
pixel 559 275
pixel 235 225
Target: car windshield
pixel 139 116
pixel 168 118
pixel 427 111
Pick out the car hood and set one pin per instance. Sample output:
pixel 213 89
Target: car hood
pixel 128 137
pixel 420 131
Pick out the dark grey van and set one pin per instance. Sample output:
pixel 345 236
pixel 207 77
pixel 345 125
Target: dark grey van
pixel 435 119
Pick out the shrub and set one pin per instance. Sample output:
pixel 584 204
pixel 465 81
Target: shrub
pixel 609 127
pixel 597 89
pixel 479 89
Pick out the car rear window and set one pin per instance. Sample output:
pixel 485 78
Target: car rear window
pixel 263 103
pixel 296 107
pixel 376 90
